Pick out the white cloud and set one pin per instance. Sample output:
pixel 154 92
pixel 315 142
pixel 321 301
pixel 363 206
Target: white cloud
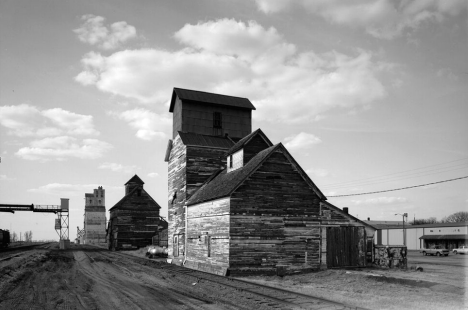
pixel 380 201
pixel 317 172
pixel 118 167
pixel 284 85
pixel 385 19
pixel 149 125
pixel 153 174
pixel 62 148
pixel 231 38
pixel 4 177
pixel 25 120
pixel 69 190
pixel 273 6
pixel 94 32
pixel 302 140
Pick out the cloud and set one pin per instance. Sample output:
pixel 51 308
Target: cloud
pixel 380 201
pixel 4 177
pixel 317 172
pixel 384 19
pixel 242 59
pixel 273 6
pixel 447 73
pixel 302 140
pixel 94 32
pixel 231 38
pixel 69 190
pixel 153 174
pixel 149 125
pixel 118 167
pixel 28 121
pixel 62 148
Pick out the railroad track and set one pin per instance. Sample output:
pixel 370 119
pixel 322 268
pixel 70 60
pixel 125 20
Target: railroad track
pixel 283 298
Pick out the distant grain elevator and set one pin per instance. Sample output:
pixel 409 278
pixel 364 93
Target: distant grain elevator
pixel 95 217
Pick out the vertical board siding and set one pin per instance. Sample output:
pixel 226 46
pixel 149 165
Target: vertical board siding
pixel 333 217
pixel 274 221
pixel 346 246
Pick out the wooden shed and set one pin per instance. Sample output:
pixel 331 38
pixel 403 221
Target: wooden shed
pixel 135 219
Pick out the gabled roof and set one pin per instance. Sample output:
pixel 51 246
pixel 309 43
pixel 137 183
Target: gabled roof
pixel 335 208
pixel 189 138
pixel 135 179
pixel 223 184
pixel 199 96
pixel 246 140
pixel 133 192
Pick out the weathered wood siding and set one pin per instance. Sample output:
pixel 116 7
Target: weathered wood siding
pixel 198 118
pixel 177 118
pixel 208 235
pixel 202 162
pixel 176 200
pixel 134 223
pixel 332 217
pixel 274 221
pixel 253 147
pixel 189 167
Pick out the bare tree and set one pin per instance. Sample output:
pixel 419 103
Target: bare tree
pixel 13 237
pixel 457 217
pixel 431 220
pixel 28 236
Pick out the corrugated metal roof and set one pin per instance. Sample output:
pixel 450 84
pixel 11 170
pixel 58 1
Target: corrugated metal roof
pixel 199 96
pixel 189 138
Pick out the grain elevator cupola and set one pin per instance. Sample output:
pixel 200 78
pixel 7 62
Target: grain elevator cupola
pixel 210 114
pixel 134 182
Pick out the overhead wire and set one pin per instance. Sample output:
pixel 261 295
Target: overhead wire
pixel 393 179
pixel 398 175
pixel 399 189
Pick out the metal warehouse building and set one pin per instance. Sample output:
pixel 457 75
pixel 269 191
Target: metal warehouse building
pixel 450 235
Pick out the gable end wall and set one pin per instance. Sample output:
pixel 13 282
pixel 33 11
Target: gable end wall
pixel 275 222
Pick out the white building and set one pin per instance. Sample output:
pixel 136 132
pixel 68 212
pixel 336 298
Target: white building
pixel 450 235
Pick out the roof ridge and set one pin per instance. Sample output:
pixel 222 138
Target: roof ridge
pixel 245 140
pixel 236 172
pixel 205 92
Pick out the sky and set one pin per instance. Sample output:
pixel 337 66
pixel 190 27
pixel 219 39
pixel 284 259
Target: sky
pixel 366 95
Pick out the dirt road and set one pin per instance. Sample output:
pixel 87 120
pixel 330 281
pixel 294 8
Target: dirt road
pixel 85 277
pixel 93 278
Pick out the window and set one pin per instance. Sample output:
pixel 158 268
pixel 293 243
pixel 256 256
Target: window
pixel 230 161
pixel 217 120
pixel 99 201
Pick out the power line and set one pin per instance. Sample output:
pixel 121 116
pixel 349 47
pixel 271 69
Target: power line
pixel 396 173
pixel 399 189
pixel 398 178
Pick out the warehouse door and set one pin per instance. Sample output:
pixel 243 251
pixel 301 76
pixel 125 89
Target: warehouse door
pixel 346 246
